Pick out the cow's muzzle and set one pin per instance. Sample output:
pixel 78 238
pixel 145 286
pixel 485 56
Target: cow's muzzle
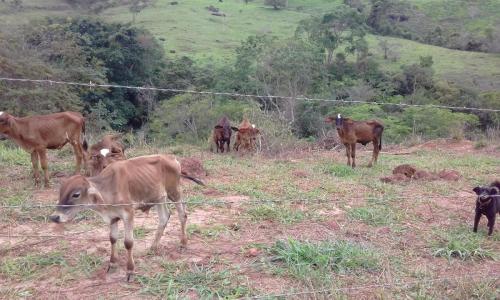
pixel 55 218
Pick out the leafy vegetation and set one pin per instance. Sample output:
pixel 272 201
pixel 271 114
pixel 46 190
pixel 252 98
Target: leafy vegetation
pixel 462 244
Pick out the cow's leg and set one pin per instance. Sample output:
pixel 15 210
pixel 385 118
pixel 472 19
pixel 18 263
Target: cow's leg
pixel 228 142
pixel 163 216
pixel 348 153
pixel 353 154
pixel 128 224
pixel 174 194
pixel 42 155
pixel 78 150
pixel 221 145
pixel 34 163
pixel 113 237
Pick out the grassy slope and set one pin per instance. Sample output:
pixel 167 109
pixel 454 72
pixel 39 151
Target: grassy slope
pixel 189 29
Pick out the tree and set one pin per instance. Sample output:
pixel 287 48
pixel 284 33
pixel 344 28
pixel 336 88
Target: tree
pixel 344 26
pixel 276 4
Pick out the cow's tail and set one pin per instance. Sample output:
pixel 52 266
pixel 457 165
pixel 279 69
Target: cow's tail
pixel 196 180
pixel 378 130
pixel 83 138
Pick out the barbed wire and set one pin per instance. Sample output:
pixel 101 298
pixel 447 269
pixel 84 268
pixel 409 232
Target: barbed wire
pixel 243 201
pixel 240 95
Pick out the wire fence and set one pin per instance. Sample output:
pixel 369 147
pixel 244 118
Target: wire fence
pixel 214 202
pixel 239 95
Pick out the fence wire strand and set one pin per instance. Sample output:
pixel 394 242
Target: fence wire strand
pixel 231 94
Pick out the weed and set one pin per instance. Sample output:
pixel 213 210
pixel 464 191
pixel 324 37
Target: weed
pixel 13 156
pixel 376 215
pixel 204 281
pixel 28 266
pixel 461 243
pixel 309 260
pixel 207 232
pixel 88 263
pixel 140 232
pixel 338 170
pixel 276 213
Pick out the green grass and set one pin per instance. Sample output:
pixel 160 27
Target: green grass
pixel 376 215
pixel 276 213
pixel 210 232
pixel 13 156
pixel 88 263
pixel 189 29
pixel 461 243
pixel 316 261
pixel 31 265
pixel 338 170
pixel 180 281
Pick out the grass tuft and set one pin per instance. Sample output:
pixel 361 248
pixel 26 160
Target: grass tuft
pixel 206 282
pixel 275 213
pixel 30 266
pixel 338 170
pixel 462 244
pixel 315 261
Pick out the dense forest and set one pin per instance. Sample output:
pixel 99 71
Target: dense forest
pixel 339 53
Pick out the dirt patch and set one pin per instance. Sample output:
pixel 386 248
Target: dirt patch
pixel 408 172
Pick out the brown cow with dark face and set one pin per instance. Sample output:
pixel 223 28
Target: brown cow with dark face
pixel 363 132
pixel 36 134
pixel 120 189
pixel 105 152
pixel 246 136
pixel 222 134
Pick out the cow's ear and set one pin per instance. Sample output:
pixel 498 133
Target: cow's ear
pixel 494 191
pixel 234 128
pixel 477 190
pixel 218 127
pixel 94 195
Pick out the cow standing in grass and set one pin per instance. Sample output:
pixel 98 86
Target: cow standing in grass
pixel 246 136
pixel 363 132
pixel 222 134
pixel 36 134
pixel 120 189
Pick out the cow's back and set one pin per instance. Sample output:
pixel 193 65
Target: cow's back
pixel 140 179
pixel 51 131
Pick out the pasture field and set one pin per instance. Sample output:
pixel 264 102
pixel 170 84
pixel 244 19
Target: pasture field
pixel 189 29
pixel 300 223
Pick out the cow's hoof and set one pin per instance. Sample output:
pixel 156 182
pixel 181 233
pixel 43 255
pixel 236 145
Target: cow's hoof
pixel 130 276
pixel 112 267
pixel 154 250
pixel 370 165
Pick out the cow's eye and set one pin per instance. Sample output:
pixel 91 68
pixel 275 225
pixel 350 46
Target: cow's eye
pixel 76 195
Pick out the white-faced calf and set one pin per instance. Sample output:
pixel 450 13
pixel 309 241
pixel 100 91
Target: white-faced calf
pixel 120 189
pixel 488 204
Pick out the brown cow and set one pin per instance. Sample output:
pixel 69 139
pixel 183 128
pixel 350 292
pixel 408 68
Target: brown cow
pixel 120 189
pixel 363 132
pixel 106 151
pixel 246 136
pixel 36 134
pixel 222 134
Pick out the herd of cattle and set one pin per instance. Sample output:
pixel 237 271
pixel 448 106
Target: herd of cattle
pixel 117 186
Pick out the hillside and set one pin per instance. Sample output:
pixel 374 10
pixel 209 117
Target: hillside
pixel 189 29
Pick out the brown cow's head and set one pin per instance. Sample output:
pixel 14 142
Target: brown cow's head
pixel 4 122
pixel 75 195
pixel 339 120
pixel 105 152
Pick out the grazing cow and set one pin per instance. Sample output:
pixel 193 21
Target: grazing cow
pixel 246 136
pixel 222 134
pixel 121 188
pixel 363 132
pixel 488 204
pixel 106 151
pixel 36 134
